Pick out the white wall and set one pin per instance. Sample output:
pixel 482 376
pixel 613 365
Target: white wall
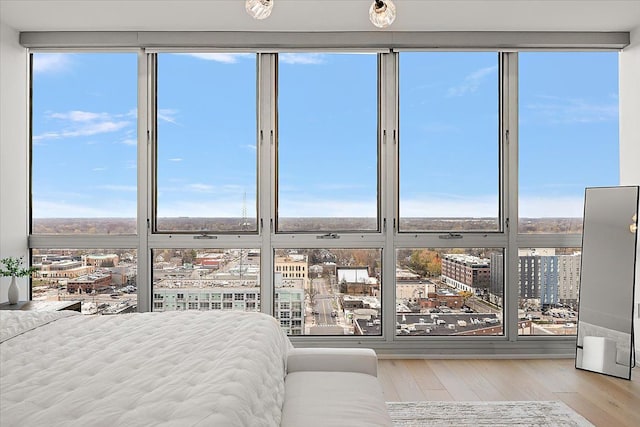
pixel 13 152
pixel 630 112
pixel 630 137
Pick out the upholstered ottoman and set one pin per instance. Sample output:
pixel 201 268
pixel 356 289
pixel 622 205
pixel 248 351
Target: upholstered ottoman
pixel 333 387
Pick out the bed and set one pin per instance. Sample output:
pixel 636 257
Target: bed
pixel 189 368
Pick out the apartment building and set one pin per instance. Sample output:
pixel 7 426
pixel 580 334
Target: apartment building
pixel 466 273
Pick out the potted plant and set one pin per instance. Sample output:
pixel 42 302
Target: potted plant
pixel 12 267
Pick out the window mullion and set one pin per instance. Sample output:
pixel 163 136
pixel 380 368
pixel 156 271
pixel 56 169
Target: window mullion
pixel 509 140
pixel 267 77
pixel 146 135
pixel 388 105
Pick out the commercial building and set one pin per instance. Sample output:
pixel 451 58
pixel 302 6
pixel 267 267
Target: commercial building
pixel 96 282
pixel 356 281
pixel 289 302
pixel 294 269
pixel 102 260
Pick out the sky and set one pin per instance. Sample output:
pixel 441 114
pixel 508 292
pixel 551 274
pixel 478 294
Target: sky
pixel 85 133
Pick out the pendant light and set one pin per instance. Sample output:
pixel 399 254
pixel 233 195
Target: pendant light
pixel 259 9
pixel 382 13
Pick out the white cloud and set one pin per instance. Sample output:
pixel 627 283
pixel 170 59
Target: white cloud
pixel 168 115
pixel 472 81
pixel 550 207
pixel 78 123
pixel 176 159
pixel 63 209
pixel 50 62
pixel 226 58
pixel 434 205
pixel 301 58
pixel 554 109
pixel 322 207
pixel 103 127
pixel 86 130
pixel 230 204
pixel 210 208
pixel 487 206
pixel 99 169
pixel 123 188
pixel 80 116
pixel 129 141
pixel 200 188
pixel 130 137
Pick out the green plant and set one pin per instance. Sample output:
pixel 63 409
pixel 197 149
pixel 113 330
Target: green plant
pixel 13 268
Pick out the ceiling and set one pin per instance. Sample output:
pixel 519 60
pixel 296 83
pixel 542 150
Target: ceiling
pixel 320 15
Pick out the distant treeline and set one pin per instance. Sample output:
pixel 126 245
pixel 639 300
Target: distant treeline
pixel 240 225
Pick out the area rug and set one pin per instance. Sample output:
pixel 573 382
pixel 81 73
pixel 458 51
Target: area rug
pixel 495 414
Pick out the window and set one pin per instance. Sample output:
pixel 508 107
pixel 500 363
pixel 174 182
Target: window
pixel 449 141
pixel 449 291
pixel 83 143
pixel 206 143
pixel 343 165
pixel 341 294
pixel 549 283
pixel 103 280
pixel 568 135
pixel 207 276
pixel 328 148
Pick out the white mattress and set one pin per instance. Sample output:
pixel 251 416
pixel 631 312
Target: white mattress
pixel 163 369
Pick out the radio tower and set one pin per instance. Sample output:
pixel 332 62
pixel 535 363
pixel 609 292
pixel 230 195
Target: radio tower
pixel 245 224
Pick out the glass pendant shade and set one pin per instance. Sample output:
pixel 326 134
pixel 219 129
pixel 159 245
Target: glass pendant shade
pixel 259 9
pixel 382 13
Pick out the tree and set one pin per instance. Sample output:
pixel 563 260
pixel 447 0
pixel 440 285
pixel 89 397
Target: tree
pixel 465 296
pixel 189 256
pixel 311 292
pixel 425 262
pixel 366 257
pixel 344 257
pixel 343 286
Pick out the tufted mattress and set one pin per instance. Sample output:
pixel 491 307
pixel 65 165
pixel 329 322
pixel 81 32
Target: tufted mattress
pixel 186 368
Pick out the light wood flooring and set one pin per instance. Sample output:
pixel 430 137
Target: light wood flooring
pixel 603 400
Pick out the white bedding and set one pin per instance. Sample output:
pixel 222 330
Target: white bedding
pixel 172 369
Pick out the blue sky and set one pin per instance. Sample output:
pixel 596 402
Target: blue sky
pixel 568 129
pixel 84 133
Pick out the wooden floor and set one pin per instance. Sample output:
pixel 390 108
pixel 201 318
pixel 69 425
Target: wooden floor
pixel 603 400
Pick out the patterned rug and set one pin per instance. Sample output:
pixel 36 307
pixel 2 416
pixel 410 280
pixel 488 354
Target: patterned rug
pixel 495 414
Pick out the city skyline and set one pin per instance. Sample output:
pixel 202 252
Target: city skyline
pixel 215 279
